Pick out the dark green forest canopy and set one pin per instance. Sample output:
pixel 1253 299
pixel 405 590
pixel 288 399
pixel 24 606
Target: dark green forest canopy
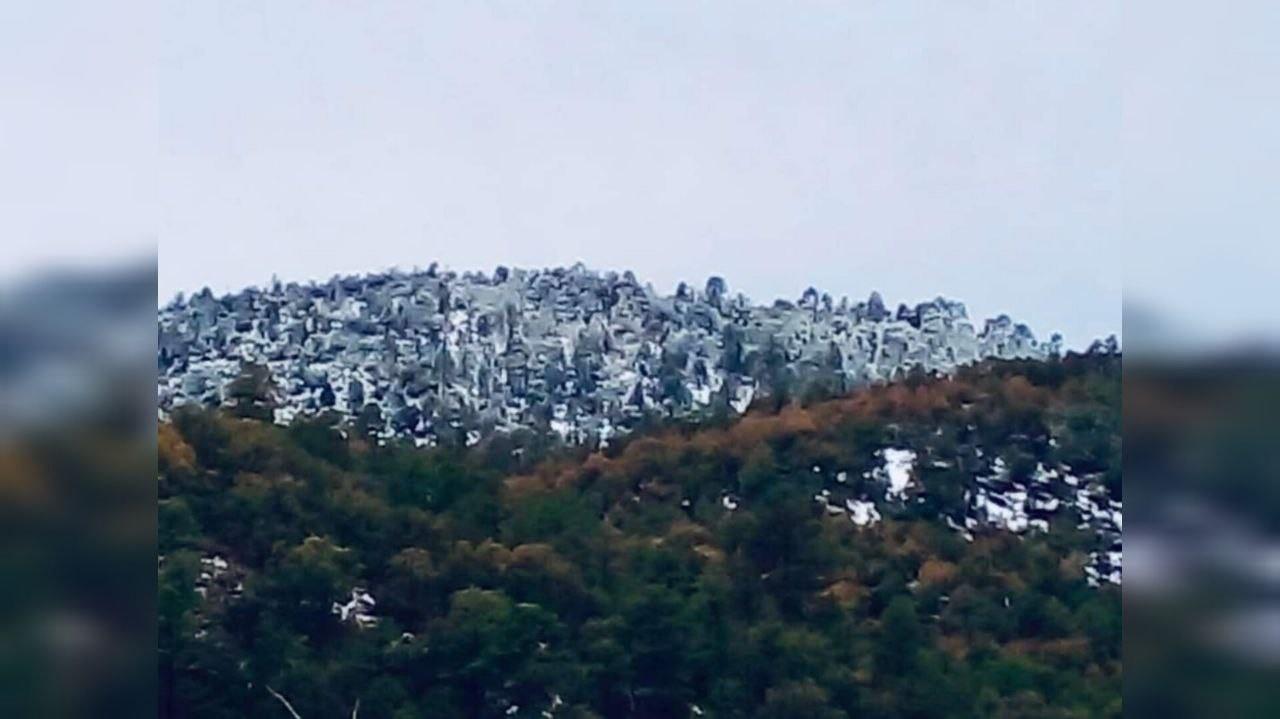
pixel 685 571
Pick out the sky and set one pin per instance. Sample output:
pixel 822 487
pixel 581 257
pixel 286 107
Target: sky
pixel 79 121
pixel 917 149
pixel 1030 158
pixel 1201 168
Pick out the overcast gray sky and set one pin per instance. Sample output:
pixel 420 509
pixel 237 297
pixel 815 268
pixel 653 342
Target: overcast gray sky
pixel 78 129
pixel 968 149
pixel 1201 159
pixel 1003 153
pixel 1006 153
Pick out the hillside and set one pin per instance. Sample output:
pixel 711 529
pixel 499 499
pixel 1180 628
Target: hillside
pixel 935 547
pixel 443 357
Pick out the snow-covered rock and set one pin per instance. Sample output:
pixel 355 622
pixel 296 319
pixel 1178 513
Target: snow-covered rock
pixel 428 354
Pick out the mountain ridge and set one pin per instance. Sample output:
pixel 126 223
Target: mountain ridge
pixel 438 355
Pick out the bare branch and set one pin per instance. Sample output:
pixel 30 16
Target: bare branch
pixel 283 701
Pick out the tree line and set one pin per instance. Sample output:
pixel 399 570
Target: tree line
pixel 684 571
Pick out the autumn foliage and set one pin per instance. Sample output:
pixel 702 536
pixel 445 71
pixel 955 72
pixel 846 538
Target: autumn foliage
pixel 685 570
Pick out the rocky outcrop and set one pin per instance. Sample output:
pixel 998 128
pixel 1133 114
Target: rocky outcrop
pixel 438 355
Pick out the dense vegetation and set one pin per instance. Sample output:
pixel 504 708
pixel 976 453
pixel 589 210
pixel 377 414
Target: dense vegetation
pixel 516 578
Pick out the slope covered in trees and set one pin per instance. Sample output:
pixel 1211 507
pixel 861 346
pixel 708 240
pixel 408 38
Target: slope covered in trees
pixel 709 570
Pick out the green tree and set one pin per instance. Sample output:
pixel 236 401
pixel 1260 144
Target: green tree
pixel 901 638
pixel 799 699
pixel 252 393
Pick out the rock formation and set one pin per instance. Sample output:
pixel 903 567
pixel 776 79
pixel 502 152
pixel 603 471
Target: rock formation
pixel 437 355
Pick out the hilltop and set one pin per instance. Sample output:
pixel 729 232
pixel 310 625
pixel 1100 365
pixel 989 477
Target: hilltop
pixel 439 356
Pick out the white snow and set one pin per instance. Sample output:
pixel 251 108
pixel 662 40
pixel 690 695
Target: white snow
pixel 357 608
pixel 898 464
pixel 862 512
pixel 1005 512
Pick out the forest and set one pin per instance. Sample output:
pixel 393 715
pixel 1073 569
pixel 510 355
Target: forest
pixel 687 570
